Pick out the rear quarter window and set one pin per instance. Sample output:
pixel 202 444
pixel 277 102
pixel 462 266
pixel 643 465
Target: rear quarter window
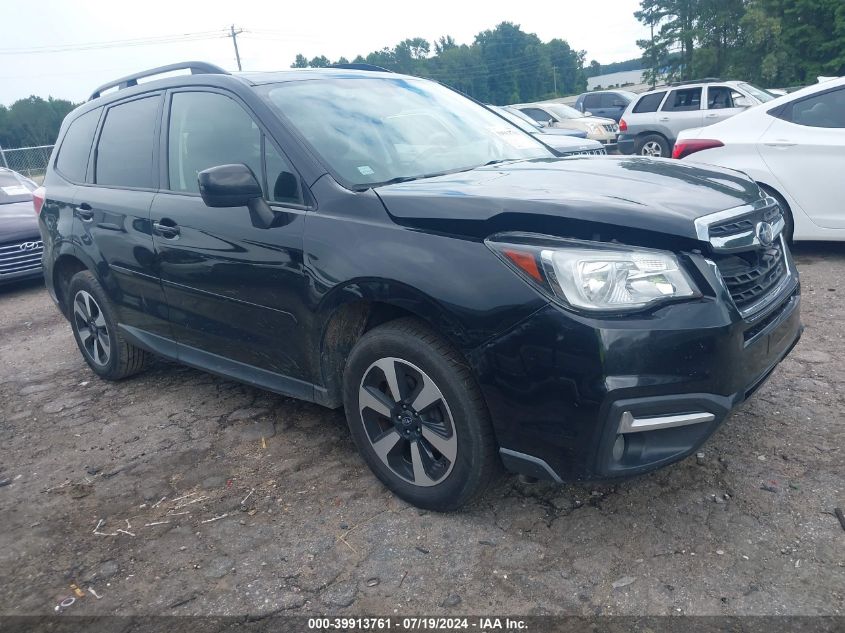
pixel 649 103
pixel 72 161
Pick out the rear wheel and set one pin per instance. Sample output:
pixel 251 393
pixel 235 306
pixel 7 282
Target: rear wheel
pixel 653 145
pixel 417 416
pixel 94 326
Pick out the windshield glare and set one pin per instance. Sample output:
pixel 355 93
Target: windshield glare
pixel 565 112
pixel 370 131
pixel 758 93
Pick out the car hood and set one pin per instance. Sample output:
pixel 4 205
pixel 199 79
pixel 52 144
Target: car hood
pixel 570 196
pixel 565 143
pixel 18 221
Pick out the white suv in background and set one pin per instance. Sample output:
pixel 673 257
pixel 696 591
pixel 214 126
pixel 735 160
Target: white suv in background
pixel 650 124
pixel 794 147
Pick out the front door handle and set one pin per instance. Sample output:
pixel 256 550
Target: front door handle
pixel 166 228
pixel 84 211
pixel 663 119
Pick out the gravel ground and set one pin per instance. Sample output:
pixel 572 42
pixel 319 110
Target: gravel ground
pixel 177 492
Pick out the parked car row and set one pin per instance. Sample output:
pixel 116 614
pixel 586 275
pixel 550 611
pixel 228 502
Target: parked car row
pixel 561 116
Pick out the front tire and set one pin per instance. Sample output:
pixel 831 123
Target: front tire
pixel 92 319
pixel 418 418
pixel 653 145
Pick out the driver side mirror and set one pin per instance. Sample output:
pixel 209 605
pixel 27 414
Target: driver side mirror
pixel 588 114
pixel 226 186
pixel 742 102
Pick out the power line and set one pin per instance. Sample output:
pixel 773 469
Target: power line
pixel 142 41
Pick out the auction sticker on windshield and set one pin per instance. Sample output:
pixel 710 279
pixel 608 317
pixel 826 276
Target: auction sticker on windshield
pixel 514 137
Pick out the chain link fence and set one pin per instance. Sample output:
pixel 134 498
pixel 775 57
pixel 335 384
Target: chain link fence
pixel 29 161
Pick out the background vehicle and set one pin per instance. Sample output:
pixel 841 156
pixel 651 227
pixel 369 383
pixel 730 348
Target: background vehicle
pixel 558 115
pixel 794 147
pixel 652 122
pixel 382 243
pixel 543 126
pixel 20 241
pixel 605 103
pixel 563 143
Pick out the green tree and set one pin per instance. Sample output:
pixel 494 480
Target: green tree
pixel 300 61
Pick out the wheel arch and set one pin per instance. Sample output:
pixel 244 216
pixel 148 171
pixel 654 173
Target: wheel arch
pixel 64 268
pixel 349 312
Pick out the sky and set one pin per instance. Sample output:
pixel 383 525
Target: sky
pixel 40 52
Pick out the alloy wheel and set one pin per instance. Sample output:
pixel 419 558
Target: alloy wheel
pixel 652 148
pixel 407 421
pixel 91 326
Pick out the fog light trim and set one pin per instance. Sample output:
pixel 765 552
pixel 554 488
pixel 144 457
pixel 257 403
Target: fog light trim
pixel 629 424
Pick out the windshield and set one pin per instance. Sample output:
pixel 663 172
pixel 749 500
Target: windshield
pixel 370 131
pixel 758 93
pixel 562 111
pixel 13 189
pixel 525 124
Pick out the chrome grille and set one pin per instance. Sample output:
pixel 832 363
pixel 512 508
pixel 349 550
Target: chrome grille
pixel 752 275
pixel 587 152
pixel 610 127
pixel 754 268
pixel 19 257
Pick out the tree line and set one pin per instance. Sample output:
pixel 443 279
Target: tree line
pixel 32 121
pixel 502 65
pixel 776 43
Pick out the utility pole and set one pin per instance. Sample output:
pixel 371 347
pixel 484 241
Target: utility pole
pixel 554 78
pixel 653 56
pixel 234 35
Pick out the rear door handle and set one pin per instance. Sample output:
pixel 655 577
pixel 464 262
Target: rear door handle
pixel 780 143
pixel 166 228
pixel 663 119
pixel 84 211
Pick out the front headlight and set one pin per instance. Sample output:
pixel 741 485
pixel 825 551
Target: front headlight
pixel 597 276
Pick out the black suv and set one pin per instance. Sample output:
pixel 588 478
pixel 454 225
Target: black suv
pixel 382 243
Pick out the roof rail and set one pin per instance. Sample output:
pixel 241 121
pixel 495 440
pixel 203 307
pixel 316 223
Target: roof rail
pixel 368 67
pixel 196 68
pixel 705 80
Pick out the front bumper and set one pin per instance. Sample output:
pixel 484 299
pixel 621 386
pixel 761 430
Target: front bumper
pixel 561 388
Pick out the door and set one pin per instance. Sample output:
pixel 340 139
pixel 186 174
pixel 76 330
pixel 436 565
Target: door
pixel 681 110
pixel 592 104
pixel 722 103
pixel 112 212
pixel 235 291
pixel 805 150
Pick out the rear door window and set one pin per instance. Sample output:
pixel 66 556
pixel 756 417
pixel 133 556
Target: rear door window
pixel 649 103
pixel 683 100
pixel 592 101
pixel 826 110
pixel 72 162
pixel 127 143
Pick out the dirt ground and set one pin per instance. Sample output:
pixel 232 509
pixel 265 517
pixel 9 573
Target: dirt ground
pixel 177 492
